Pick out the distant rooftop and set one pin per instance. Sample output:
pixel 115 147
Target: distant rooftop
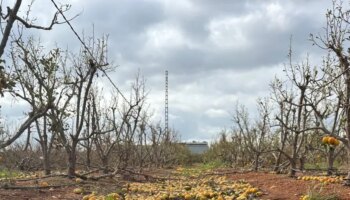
pixel 197 147
pixel 196 142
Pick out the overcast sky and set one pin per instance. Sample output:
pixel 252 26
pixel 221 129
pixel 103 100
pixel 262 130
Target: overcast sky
pixel 216 52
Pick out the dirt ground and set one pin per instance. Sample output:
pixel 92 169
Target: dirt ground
pixel 274 187
pixel 280 187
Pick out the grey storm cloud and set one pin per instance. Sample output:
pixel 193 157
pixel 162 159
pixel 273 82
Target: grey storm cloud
pixel 217 52
pixel 198 35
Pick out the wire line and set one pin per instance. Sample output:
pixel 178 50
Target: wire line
pixel 88 50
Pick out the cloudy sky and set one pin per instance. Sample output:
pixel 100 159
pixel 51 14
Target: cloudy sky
pixel 216 52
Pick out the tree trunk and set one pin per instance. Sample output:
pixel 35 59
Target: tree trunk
pixel 302 163
pixel 88 157
pixel 347 179
pixel 347 110
pixel 104 160
pixel 293 166
pixel 45 149
pixel 330 160
pixel 294 158
pixel 256 167
pixel 46 163
pixel 278 162
pixel 280 153
pixel 72 160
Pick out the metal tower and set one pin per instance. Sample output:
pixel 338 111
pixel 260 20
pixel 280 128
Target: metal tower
pixel 1 123
pixel 166 119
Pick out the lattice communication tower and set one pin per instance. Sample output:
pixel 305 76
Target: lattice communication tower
pixel 166 119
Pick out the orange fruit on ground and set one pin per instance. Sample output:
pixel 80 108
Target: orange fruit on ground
pixel 78 180
pixel 44 184
pixel 78 190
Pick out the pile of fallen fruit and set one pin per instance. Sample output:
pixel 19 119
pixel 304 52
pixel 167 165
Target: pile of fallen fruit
pixel 185 186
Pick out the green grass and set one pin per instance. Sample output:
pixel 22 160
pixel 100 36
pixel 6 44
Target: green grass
pixel 321 165
pixel 197 169
pixel 6 173
pixel 211 165
pixel 315 193
pixel 317 196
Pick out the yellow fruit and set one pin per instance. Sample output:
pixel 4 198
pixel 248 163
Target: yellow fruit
pixel 124 190
pixel 188 196
pixel 253 190
pixel 332 140
pixel 337 142
pixel 206 194
pixel 78 191
pixel 87 197
pixel 114 196
pixel 78 180
pixel 220 198
pixel 44 184
pixel 101 197
pixel 164 196
pixel 211 194
pixel 325 139
pixel 242 197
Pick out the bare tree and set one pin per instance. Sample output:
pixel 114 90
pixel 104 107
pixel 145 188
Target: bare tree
pixel 134 120
pixel 284 113
pixel 262 131
pixel 36 73
pixel 254 135
pixel 335 40
pixel 300 76
pixel 102 128
pixel 8 17
pixel 227 149
pixel 84 67
pixel 326 103
pixel 155 139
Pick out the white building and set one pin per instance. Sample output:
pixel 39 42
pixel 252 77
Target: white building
pixel 197 147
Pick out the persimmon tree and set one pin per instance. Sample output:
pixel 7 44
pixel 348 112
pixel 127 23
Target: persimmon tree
pixel 325 100
pixel 100 128
pixel 36 73
pixel 224 149
pixel 9 15
pixel 254 135
pixel 279 94
pixel 335 40
pixel 296 125
pixel 113 125
pixel 73 106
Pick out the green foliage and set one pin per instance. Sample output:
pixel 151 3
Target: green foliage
pixel 109 198
pixel 182 154
pixel 200 168
pixel 215 164
pixel 322 165
pixel 6 82
pixel 315 193
pixel 6 173
pixel 220 152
